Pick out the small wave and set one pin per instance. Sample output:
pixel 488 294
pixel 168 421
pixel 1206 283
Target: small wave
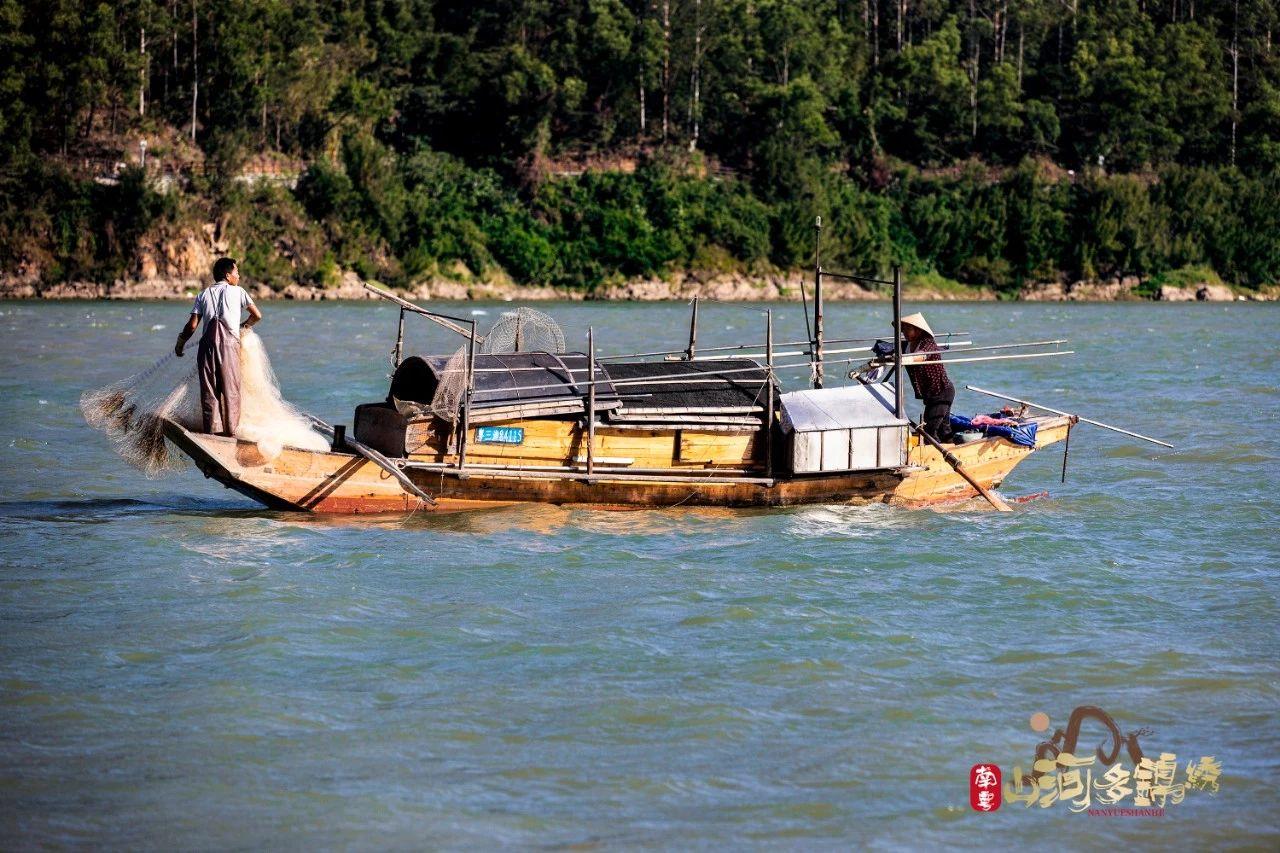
pixel 853 521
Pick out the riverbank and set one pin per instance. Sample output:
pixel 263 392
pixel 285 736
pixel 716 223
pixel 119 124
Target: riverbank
pixel 733 287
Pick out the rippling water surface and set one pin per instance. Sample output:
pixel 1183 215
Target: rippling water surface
pixel 178 667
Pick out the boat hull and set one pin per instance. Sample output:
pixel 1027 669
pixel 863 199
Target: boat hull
pixel 344 483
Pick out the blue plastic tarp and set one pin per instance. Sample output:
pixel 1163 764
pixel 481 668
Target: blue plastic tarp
pixel 1023 434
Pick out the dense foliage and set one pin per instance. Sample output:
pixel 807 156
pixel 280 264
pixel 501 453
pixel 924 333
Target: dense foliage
pixel 989 141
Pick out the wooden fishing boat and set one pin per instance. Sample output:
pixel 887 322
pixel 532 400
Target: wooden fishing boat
pixel 344 481
pixel 678 428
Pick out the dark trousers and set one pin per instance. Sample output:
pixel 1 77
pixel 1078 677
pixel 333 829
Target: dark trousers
pixel 937 418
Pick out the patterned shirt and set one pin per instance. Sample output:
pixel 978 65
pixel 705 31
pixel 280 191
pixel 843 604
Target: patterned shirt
pixel 929 380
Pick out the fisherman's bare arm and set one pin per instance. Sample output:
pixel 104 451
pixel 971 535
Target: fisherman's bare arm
pixel 254 316
pixel 185 335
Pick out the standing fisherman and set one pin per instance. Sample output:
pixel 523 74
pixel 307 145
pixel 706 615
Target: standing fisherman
pixel 218 358
pixel 929 379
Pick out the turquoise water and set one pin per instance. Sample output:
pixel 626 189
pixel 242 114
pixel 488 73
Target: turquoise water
pixel 178 667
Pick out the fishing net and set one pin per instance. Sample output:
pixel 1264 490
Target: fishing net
pixel 447 401
pixel 521 330
pixel 265 416
pixel 131 412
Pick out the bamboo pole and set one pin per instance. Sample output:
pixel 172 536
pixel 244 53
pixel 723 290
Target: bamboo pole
pixel 591 396
pixel 1070 415
pixel 439 319
pixel 919 358
pixel 678 475
pixel 899 406
pixel 958 346
pixel 951 460
pixel 768 423
pixel 709 376
pixel 466 399
pixel 376 458
pixel 693 331
pixel 817 305
pixel 617 356
pixel 399 350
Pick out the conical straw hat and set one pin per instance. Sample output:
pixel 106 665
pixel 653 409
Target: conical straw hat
pixel 919 322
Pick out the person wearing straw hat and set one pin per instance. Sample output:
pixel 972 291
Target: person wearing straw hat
pixel 929 378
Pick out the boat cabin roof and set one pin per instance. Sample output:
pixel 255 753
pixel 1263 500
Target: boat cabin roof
pixel 503 379
pixel 720 385
pixel 532 383
pixel 847 407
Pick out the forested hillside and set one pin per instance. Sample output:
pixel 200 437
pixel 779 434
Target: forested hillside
pixel 990 142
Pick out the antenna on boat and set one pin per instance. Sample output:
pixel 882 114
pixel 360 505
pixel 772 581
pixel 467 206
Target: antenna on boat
pixel 817 304
pixel 899 407
pixel 397 355
pixel 768 421
pixel 693 332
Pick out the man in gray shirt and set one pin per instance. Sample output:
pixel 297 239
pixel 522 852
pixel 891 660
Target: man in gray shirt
pixel 221 306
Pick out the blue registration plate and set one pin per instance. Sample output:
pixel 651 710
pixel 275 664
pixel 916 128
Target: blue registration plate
pixel 499 435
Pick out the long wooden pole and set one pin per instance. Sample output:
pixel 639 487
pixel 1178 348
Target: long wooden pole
pixel 377 459
pixel 768 422
pixel 922 359
pixel 951 459
pixel 808 342
pixel 466 399
pixel 817 304
pixel 396 357
pixel 591 398
pixel 1070 415
pixel 693 332
pixel 899 405
pixel 430 315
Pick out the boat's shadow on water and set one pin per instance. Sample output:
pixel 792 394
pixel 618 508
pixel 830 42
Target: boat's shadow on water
pixel 533 518
pixel 536 518
pixel 106 510
pixel 542 519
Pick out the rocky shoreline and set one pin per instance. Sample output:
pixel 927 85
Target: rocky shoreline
pixel 734 287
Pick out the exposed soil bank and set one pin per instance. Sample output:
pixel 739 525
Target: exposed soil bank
pixel 731 287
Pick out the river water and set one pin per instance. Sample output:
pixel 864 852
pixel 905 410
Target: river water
pixel 180 668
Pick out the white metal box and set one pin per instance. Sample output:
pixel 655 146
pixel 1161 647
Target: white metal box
pixel 843 429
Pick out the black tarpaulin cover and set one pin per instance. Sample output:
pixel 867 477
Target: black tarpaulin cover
pixel 722 385
pixel 504 379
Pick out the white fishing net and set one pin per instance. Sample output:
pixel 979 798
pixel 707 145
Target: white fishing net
pixel 131 411
pixel 446 403
pixel 265 416
pixel 521 330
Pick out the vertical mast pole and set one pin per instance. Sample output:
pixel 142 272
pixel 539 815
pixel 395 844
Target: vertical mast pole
pixel 591 402
pixel 466 400
pixel 693 332
pixel 768 423
pixel 398 353
pixel 817 304
pixel 898 405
